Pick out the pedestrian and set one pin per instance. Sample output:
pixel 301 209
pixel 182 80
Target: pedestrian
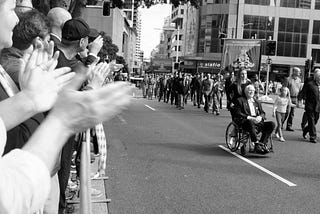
pixel 312 106
pixel 294 85
pixel 280 107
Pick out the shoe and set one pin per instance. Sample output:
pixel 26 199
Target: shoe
pixel 289 129
pixel 277 135
pixel 218 113
pixel 313 141
pixel 282 139
pixel 261 149
pixel 96 193
pixel 69 209
pixel 304 135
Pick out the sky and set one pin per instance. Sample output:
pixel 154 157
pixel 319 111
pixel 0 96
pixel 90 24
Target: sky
pixel 152 23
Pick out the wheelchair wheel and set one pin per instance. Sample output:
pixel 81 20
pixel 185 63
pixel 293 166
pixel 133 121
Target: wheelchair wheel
pixel 232 138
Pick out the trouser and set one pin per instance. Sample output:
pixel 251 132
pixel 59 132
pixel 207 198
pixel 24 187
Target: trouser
pixel 280 118
pixel 52 204
pixel 207 100
pixel 215 102
pixel 173 97
pixel 304 120
pixel 290 115
pixel 64 172
pixel 313 118
pixel 197 99
pixel 160 93
pixel 253 128
pixel 179 100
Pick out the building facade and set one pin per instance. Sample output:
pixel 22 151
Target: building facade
pixel 294 24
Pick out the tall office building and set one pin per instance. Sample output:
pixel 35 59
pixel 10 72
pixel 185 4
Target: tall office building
pixel 138 41
pixel 294 24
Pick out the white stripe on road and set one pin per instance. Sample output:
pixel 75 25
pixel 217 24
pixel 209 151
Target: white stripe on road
pixel 260 167
pixel 150 107
pixel 121 119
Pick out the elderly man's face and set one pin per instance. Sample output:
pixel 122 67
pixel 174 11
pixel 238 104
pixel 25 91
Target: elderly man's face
pixel 249 92
pixel 317 76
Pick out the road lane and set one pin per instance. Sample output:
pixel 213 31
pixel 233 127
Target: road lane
pixel 169 161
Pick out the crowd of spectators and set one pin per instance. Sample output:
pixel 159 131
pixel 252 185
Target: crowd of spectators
pixel 53 86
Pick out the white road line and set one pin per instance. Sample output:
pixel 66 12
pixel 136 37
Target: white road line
pixel 150 107
pixel 260 167
pixel 121 119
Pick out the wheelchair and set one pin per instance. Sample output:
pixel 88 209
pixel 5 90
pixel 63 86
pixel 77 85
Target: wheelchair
pixel 238 138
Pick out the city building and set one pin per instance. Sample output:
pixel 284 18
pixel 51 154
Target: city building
pixel 161 60
pixel 293 24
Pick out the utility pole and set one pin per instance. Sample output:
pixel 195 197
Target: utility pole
pixel 177 51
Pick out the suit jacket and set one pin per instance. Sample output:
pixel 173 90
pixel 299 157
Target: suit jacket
pixel 312 100
pixel 242 109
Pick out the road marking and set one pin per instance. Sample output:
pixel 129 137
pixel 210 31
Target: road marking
pixel 121 119
pixel 150 107
pixel 290 184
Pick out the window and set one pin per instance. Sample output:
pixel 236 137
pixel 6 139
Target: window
pixel 306 4
pixel 292 37
pixel 261 2
pixel 258 27
pixel 180 37
pixel 210 28
pixel 179 48
pixel 316 32
pixel 182 11
pixel 317 6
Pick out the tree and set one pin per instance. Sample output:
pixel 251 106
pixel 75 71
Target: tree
pixel 75 6
pixel 121 60
pixel 108 50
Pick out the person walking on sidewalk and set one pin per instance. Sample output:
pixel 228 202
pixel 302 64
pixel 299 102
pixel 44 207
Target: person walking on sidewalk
pixel 294 85
pixel 280 107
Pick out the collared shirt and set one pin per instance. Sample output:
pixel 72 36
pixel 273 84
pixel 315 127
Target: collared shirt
pixel 252 107
pixel 24 180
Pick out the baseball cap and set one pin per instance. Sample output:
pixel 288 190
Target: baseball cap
pixel 75 29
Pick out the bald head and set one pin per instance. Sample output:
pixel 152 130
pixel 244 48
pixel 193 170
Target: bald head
pixel 57 17
pixel 316 75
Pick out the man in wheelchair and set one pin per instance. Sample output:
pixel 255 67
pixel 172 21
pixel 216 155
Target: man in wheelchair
pixel 248 114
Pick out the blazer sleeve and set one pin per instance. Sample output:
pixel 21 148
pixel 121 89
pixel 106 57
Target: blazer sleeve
pixel 239 113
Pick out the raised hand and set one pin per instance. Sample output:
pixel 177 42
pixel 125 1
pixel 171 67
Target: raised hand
pixel 95 46
pixel 39 80
pixel 98 75
pixel 79 110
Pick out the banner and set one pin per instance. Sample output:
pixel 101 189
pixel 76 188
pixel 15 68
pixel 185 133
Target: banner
pixel 241 54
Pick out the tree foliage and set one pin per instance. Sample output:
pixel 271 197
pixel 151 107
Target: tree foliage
pixel 108 50
pixel 121 60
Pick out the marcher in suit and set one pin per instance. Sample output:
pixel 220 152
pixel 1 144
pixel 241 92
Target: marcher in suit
pixel 294 84
pixel 312 106
pixel 251 117
pixel 207 86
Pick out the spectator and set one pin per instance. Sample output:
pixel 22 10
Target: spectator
pixel 57 17
pixel 196 87
pixel 32 29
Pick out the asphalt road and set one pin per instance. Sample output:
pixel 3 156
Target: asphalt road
pixel 162 160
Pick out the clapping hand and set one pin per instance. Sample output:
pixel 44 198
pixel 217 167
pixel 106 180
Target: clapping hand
pixel 39 79
pixel 98 74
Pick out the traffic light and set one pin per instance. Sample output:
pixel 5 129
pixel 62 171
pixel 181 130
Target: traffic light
pixel 271 48
pixel 311 64
pixel 176 65
pixel 106 8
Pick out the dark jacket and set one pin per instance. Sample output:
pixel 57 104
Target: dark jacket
pixel 311 92
pixel 242 110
